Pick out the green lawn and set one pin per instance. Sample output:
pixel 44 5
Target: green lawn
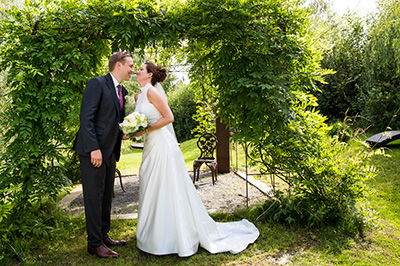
pixel 277 243
pixel 129 162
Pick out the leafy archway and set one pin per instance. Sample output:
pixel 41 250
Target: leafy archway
pixel 253 60
pixel 51 49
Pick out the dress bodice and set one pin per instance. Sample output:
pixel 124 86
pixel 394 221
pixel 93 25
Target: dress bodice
pixel 145 107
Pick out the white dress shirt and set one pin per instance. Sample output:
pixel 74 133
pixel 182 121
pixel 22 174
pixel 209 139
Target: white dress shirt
pixel 116 83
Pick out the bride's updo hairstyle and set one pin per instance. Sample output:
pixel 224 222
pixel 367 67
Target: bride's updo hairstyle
pixel 159 73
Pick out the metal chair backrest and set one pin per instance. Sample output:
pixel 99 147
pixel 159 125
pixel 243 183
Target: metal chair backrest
pixel 207 143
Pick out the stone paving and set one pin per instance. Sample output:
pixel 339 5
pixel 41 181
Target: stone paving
pixel 227 195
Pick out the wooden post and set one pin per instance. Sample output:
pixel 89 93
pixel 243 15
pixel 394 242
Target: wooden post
pixel 223 135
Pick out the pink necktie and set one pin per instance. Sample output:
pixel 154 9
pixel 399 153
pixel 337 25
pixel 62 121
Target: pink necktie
pixel 121 101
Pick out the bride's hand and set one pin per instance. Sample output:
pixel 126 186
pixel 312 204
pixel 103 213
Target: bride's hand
pixel 140 133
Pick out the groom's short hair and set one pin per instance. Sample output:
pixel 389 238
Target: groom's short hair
pixel 117 57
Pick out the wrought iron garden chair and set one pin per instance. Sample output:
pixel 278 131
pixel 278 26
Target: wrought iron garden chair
pixel 207 143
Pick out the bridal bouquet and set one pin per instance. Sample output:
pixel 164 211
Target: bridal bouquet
pixel 134 123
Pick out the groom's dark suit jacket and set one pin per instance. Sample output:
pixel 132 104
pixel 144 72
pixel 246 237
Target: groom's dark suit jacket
pixel 100 116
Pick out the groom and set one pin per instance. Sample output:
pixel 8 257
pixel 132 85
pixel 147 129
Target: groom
pixel 98 144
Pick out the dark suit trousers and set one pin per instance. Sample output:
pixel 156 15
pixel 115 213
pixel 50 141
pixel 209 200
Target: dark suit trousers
pixel 97 184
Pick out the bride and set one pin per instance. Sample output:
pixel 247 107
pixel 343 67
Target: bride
pixel 172 219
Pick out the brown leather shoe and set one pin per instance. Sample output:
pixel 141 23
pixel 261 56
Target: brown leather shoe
pixel 110 243
pixel 102 251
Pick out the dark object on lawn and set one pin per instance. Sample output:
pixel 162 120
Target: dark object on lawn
pixel 383 138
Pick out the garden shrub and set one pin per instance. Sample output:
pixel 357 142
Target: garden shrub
pixel 25 231
pixel 183 106
pixel 340 130
pixel 339 94
pixel 325 178
pixel 381 107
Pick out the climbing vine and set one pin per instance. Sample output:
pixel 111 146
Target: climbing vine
pixel 50 49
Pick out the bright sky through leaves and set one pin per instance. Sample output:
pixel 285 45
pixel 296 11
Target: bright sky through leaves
pixel 359 6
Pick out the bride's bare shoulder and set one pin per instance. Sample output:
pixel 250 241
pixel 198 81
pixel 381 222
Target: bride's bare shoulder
pixel 153 93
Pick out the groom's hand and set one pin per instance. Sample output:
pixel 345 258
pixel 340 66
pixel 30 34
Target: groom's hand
pixel 96 158
pixel 125 137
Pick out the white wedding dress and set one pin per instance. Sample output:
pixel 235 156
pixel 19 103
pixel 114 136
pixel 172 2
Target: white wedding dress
pixel 172 218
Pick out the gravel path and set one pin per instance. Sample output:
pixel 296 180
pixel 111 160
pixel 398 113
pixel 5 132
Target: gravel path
pixel 227 195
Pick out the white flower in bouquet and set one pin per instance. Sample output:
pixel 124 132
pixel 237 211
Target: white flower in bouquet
pixel 134 123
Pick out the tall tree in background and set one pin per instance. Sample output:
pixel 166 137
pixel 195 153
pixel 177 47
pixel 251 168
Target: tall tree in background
pixel 381 78
pixel 343 40
pixel 363 54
